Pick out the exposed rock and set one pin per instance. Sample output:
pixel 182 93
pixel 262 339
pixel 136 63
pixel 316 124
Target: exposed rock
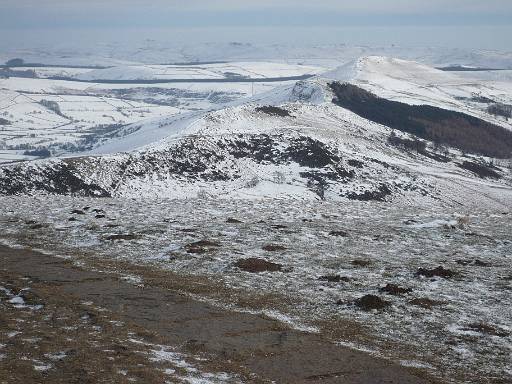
pixel 355 163
pixel 273 111
pixel 378 195
pixel 233 221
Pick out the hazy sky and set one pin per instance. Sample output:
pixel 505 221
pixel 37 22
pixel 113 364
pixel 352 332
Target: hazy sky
pixel 484 23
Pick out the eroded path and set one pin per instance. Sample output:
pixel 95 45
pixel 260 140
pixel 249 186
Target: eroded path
pixel 63 324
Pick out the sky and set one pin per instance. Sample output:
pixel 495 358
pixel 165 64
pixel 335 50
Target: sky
pixel 452 23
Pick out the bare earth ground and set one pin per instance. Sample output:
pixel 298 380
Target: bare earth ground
pixel 77 326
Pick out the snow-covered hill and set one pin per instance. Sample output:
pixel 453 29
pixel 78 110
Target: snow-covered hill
pixel 290 142
pixel 415 83
pixel 218 71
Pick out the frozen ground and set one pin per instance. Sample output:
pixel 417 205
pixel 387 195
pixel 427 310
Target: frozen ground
pixel 457 326
pixel 50 337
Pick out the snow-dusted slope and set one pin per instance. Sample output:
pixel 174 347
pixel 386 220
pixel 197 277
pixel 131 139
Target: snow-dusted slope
pixel 219 71
pixel 298 150
pixel 415 83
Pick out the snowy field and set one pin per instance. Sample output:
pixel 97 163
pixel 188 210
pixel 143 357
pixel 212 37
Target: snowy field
pixel 242 70
pixel 326 55
pixel 454 321
pixel 66 116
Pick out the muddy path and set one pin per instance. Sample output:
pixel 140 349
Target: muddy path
pixel 74 325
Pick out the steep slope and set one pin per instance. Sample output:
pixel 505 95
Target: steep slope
pixel 297 150
pixel 417 84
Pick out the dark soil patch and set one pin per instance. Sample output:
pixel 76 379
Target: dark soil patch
pixel 371 302
pixel 273 248
pixel 361 263
pixel 201 246
pixel 480 263
pixel 338 233
pixel 475 263
pixel 393 289
pixel 334 279
pixel 125 237
pixel 425 302
pixel 255 265
pixel 487 329
pixel 436 272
